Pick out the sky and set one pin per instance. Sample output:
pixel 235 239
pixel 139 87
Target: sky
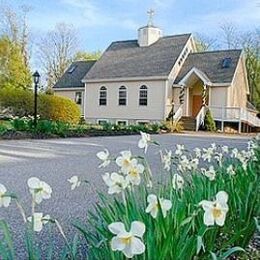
pixel 99 22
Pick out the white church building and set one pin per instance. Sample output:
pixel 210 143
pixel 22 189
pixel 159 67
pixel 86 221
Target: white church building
pixel 142 80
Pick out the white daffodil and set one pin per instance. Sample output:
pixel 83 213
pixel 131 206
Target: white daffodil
pixel 224 149
pixel 215 211
pixel 129 243
pixel 194 164
pixel 144 141
pixel 39 189
pixel 197 152
pixel 210 173
pixel 134 172
pixel 74 181
pixel 104 157
pixel 166 160
pixel 153 205
pixel 184 164
pixel 230 170
pixel 4 200
pixel 213 146
pixel 234 153
pixel 177 182
pixel 179 149
pixel 219 157
pixel 38 221
pixel 208 153
pixel 116 183
pixel 124 161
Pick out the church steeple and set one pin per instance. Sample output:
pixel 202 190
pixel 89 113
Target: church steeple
pixel 149 34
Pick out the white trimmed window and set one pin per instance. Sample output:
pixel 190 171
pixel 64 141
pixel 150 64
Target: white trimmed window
pixel 143 96
pixel 103 96
pixel 102 121
pixel 122 122
pixel 78 97
pixel 122 99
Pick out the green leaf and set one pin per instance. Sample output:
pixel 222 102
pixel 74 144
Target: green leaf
pixel 200 244
pixel 232 251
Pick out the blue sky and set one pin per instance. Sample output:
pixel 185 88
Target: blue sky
pixel 99 22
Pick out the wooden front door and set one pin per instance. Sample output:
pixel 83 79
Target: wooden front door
pixel 196 105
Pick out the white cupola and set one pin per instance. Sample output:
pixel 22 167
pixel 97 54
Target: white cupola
pixel 149 34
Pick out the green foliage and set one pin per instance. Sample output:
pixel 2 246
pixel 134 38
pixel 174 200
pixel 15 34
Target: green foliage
pixel 210 124
pixel 13 70
pixel 182 234
pixel 87 56
pixel 173 127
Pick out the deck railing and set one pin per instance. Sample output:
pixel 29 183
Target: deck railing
pixel 234 114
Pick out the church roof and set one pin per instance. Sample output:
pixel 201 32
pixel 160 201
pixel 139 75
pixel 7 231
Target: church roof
pixel 126 59
pixel 73 76
pixel 211 64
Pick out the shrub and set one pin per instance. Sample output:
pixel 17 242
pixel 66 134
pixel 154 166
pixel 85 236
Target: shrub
pixel 210 124
pixel 173 127
pixel 58 108
pixel 19 101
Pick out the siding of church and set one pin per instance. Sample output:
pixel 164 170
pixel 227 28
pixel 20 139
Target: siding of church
pixel 153 112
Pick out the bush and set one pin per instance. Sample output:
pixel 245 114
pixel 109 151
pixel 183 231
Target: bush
pixel 56 108
pixel 173 127
pixel 210 124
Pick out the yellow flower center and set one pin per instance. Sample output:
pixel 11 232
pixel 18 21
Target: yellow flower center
pixel 134 173
pixel 126 240
pixel 126 163
pixel 216 212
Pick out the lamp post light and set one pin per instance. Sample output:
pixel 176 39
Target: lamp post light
pixel 36 80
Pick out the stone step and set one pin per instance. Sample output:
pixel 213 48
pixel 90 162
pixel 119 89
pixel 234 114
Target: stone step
pixel 189 123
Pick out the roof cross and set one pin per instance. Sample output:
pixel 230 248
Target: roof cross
pixel 151 14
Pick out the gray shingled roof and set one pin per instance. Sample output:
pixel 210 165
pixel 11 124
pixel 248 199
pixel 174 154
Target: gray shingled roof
pixel 210 63
pixel 74 79
pixel 126 59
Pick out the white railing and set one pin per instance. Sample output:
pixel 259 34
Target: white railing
pixel 200 117
pixel 234 114
pixel 178 115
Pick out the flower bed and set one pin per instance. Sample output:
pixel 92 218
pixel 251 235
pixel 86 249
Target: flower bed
pixel 204 205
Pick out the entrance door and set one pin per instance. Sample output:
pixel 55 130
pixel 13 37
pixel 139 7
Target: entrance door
pixel 196 105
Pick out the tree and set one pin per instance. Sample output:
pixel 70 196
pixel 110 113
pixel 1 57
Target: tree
pixel 230 36
pixel 13 71
pixel 14 25
pixel 56 51
pixel 85 56
pixel 204 43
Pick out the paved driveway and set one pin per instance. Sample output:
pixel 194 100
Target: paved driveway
pixel 54 161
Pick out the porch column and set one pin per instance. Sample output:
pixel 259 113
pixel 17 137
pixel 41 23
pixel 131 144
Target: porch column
pixel 204 95
pixel 182 94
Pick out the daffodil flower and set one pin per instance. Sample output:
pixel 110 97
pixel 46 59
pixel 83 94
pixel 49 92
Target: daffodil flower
pixel 179 149
pixel 166 160
pixel 224 149
pixel 144 141
pixel 116 183
pixel 197 152
pixel 230 170
pixel 134 172
pixel 208 153
pixel 210 173
pixel 177 182
pixel 39 189
pixel 104 157
pixel 129 243
pixel 38 221
pixel 74 181
pixel 194 163
pixel 215 211
pixel 153 205
pixel 124 161
pixel 4 199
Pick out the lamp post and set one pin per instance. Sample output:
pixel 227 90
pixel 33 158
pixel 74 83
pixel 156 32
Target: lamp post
pixel 36 80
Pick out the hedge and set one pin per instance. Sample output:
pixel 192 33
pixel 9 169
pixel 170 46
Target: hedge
pixel 21 103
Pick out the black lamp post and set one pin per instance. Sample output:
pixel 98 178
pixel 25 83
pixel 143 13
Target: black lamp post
pixel 36 80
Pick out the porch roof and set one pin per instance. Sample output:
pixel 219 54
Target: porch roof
pixel 210 64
